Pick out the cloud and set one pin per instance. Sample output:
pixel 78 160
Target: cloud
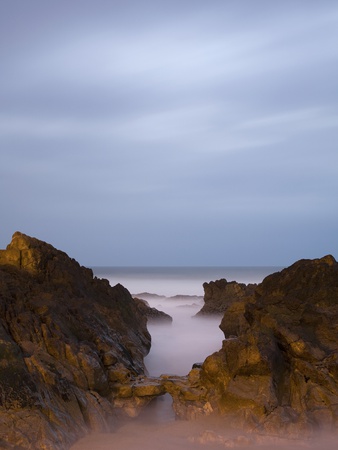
pixel 288 123
pixel 170 121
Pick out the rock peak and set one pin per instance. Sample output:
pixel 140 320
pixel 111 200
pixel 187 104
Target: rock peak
pixel 31 254
pixel 328 259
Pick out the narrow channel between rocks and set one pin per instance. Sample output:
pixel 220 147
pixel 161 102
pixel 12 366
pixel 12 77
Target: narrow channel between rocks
pixel 176 346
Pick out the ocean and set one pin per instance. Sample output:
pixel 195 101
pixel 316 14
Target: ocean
pixel 170 281
pixel 178 291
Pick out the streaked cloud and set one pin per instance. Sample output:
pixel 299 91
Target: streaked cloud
pixel 198 121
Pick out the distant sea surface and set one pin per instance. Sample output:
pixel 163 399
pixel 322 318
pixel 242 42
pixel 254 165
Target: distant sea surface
pixel 171 281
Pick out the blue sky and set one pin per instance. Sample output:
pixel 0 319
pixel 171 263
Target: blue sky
pixel 171 133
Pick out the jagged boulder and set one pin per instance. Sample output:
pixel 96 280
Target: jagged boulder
pixel 277 371
pixel 220 294
pixel 66 339
pixel 152 314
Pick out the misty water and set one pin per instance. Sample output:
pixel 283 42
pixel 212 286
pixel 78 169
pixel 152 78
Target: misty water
pixel 175 348
pixel 188 339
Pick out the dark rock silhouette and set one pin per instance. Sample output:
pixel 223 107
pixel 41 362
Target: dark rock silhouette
pixel 152 314
pixel 220 294
pixel 66 339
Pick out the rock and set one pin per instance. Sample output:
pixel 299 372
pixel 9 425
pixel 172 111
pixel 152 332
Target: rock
pixel 152 314
pixel 219 295
pixel 66 338
pixel 129 399
pixel 276 373
pixel 189 402
pixel 149 296
pixel 72 350
pixel 197 365
pixel 189 298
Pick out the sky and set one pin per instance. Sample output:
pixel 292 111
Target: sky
pixel 189 133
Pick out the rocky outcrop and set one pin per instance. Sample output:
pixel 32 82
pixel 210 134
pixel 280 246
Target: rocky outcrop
pixel 220 294
pixel 67 339
pixel 152 314
pixel 72 349
pixel 277 371
pixel 131 396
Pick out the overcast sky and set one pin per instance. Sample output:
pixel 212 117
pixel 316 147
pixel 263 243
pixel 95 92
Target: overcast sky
pixel 171 132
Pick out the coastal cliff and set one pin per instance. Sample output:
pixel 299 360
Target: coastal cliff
pixel 277 371
pixel 66 338
pixel 72 350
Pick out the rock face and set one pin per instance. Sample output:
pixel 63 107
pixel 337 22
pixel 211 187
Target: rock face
pixel 220 294
pixel 152 314
pixel 66 339
pixel 277 371
pixel 72 349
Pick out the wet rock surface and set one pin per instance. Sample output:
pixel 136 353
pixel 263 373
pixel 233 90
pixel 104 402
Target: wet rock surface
pixel 277 373
pixel 66 339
